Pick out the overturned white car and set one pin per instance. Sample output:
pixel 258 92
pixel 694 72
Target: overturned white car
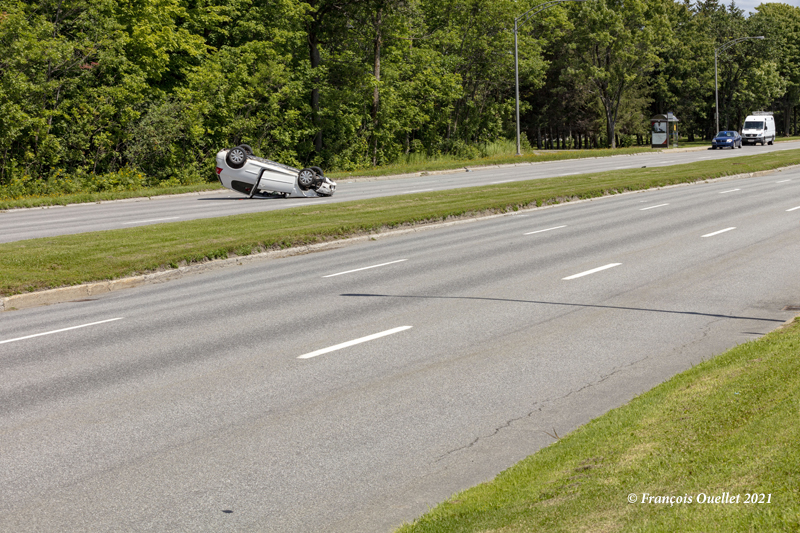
pixel 241 171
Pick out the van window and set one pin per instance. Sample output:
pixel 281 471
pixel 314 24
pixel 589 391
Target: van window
pixel 753 125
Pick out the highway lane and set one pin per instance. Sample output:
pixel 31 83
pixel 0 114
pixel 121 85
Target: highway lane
pixel 435 361
pixel 23 224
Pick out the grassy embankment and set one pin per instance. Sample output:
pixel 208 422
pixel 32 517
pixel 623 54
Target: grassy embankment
pixel 726 426
pixel 73 259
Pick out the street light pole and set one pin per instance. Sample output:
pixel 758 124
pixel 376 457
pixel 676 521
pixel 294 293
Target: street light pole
pixel 524 18
pixel 516 80
pixel 716 86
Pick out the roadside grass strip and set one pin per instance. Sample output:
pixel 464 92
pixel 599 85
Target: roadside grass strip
pixel 51 262
pixel 686 456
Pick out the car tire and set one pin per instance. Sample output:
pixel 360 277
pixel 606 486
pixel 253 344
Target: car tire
pixel 247 149
pixel 318 171
pixel 306 178
pixel 236 157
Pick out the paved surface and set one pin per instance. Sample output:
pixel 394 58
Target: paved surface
pixel 22 224
pixel 186 406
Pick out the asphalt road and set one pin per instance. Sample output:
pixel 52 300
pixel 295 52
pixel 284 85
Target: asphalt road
pixel 20 224
pixel 348 391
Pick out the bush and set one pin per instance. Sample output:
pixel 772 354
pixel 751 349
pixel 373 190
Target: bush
pixel 626 141
pixel 60 184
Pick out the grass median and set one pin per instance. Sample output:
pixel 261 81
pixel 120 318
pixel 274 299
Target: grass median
pixel 690 454
pixel 51 262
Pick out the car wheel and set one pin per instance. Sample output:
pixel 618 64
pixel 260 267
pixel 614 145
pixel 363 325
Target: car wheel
pixel 247 149
pixel 306 178
pixel 236 157
pixel 317 170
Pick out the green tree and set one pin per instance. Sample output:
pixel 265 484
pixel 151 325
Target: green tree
pixel 615 47
pixel 780 24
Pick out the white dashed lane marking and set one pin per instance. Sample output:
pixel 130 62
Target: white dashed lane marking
pixel 364 268
pixel 354 342
pixel 592 271
pixel 543 230
pixel 718 232
pixel 60 330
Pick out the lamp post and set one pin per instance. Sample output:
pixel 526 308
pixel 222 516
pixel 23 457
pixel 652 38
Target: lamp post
pixel 524 18
pixel 716 89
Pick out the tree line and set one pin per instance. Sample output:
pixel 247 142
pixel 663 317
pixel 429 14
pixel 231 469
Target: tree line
pixel 93 87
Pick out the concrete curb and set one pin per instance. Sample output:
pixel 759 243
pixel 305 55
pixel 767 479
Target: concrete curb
pixel 88 290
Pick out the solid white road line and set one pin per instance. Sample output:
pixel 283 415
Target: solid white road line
pixel 504 181
pixel 419 190
pixel 365 268
pixel 592 271
pixel 718 232
pixel 652 207
pixel 792 209
pixel 354 342
pixel 782 181
pixel 60 330
pixel 151 220
pixel 542 230
pixel 732 190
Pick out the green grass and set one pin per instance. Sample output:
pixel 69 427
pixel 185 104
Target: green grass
pixel 726 425
pixel 73 259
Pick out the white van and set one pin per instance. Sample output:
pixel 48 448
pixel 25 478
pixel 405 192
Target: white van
pixel 759 128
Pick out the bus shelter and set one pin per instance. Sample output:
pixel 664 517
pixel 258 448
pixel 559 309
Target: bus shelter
pixel 661 128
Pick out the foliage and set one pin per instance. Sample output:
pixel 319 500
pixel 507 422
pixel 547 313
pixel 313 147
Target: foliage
pixel 89 88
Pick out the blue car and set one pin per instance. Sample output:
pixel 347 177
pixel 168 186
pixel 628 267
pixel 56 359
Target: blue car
pixel 727 139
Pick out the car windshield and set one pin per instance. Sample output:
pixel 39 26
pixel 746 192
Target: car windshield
pixel 753 125
pixel 725 134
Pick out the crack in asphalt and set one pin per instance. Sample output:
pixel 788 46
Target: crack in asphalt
pixel 541 404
